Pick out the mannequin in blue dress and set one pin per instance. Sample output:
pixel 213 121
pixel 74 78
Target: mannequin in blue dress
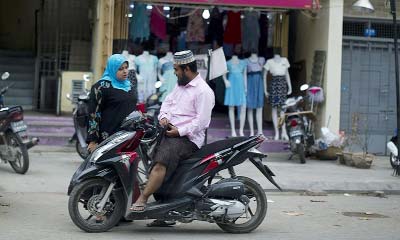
pixel 166 74
pixel 235 93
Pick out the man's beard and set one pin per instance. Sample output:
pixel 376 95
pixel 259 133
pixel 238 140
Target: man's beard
pixel 183 80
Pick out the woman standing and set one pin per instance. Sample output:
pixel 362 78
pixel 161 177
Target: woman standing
pixel 111 99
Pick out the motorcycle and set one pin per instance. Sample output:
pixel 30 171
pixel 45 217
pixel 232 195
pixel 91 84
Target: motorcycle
pixel 299 125
pixel 80 115
pixel 103 188
pixel 153 105
pixel 14 140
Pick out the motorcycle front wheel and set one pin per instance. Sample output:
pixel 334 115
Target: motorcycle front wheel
pixel 83 206
pixel 83 152
pixel 21 157
pixel 257 209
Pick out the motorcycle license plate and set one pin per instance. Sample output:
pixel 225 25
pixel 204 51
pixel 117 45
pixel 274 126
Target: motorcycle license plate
pixel 295 133
pixel 18 126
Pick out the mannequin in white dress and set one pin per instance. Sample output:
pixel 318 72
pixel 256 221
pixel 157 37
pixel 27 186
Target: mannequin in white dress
pixel 280 87
pixel 235 94
pixel 146 65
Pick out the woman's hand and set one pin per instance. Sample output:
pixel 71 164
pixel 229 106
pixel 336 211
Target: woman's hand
pixel 164 122
pixel 92 146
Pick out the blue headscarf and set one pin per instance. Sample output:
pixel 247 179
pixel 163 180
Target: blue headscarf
pixel 114 62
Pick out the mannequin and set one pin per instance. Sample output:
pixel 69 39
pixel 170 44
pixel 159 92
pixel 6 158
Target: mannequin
pixel 132 74
pixel 280 87
pixel 235 93
pixel 166 74
pixel 147 68
pixel 255 91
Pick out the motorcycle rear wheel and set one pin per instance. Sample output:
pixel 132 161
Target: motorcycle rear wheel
pixel 83 152
pixel 254 192
pixel 301 152
pixel 393 161
pixel 85 197
pixel 21 163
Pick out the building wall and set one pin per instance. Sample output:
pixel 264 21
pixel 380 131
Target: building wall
pixel 20 14
pixel 382 9
pixel 324 32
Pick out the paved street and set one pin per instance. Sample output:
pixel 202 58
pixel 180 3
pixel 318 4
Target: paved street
pixel 34 206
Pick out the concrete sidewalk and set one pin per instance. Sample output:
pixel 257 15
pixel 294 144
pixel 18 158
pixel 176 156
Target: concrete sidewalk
pixel 315 175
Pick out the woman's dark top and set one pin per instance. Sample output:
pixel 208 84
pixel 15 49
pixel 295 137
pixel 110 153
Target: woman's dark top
pixel 108 107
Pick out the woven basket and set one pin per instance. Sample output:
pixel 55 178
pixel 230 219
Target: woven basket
pixel 329 154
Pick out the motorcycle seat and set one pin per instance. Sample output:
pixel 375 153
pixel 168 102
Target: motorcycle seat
pixel 3 114
pixel 217 146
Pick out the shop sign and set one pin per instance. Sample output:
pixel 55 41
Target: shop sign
pixel 300 4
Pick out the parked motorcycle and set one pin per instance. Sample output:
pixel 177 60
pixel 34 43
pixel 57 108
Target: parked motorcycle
pixel 105 185
pixel 80 115
pixel 299 125
pixel 14 140
pixel 394 156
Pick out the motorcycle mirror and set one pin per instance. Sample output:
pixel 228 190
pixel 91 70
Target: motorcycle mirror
pixel 5 75
pixel 158 84
pixel 304 87
pixel 86 77
pixel 68 96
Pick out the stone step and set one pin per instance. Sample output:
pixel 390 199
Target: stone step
pixel 16 68
pixel 14 53
pixel 20 92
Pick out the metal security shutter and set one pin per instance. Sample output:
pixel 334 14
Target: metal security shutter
pixel 368 86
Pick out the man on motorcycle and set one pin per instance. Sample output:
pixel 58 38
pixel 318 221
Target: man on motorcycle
pixel 186 112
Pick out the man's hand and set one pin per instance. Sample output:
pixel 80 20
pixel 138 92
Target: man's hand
pixel 164 122
pixel 172 131
pixel 92 146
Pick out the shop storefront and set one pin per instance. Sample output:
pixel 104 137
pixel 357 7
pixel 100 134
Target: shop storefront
pixel 242 28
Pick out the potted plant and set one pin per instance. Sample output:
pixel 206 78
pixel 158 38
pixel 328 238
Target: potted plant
pixel 358 138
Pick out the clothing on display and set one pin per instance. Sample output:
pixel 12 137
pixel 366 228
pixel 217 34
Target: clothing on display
pixel 195 27
pixel 131 60
pixel 250 31
pixel 158 24
pixel 166 67
pixel 233 31
pixel 147 68
pixel 255 83
pixel 216 28
pixel 202 65
pixel 263 41
pixel 277 66
pixel 278 92
pixel 235 94
pixel 139 27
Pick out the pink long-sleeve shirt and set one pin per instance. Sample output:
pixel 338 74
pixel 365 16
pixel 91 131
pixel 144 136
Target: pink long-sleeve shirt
pixel 189 109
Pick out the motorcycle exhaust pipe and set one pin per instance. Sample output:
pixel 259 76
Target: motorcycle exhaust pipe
pixel 33 142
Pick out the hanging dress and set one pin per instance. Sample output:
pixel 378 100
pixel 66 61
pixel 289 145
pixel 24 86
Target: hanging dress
pixel 147 69
pixel 250 32
pixel 233 31
pixel 235 95
pixel 139 28
pixel 195 27
pixel 170 79
pixel 255 83
pixel 158 24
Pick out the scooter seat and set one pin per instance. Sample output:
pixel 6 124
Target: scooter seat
pixel 217 146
